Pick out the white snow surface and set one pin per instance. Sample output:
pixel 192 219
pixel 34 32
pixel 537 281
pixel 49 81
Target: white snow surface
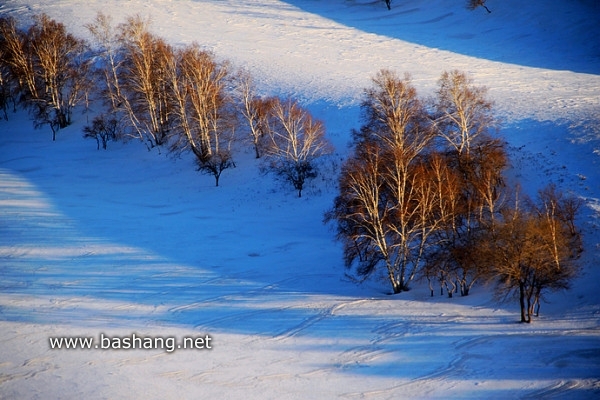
pixel 129 241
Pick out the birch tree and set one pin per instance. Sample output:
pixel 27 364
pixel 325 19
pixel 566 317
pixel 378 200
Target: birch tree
pixel 463 115
pixel 296 141
pixel 109 48
pixel 62 67
pixel 17 57
pixel 205 118
pixel 256 111
pixel 385 213
pixel 51 66
pixel 533 251
pixel 16 70
pixel 142 81
pixel 462 118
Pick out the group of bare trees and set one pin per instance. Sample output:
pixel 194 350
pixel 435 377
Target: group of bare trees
pixel 284 133
pixel 45 68
pixel 424 195
pixel 534 248
pixel 187 98
pixel 166 96
pixel 179 98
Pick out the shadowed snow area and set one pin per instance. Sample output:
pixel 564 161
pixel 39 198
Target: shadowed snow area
pixel 555 34
pixel 129 241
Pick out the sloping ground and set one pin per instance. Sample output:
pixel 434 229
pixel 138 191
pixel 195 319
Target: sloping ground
pixel 128 241
pixel 331 51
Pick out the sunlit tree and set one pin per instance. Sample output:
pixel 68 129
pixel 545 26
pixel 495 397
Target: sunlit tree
pixel 202 107
pixel 296 142
pixel 386 210
pixel 532 250
pixel 256 111
pixel 143 81
pixel 51 67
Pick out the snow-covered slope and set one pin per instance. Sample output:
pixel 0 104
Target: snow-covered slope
pixel 128 241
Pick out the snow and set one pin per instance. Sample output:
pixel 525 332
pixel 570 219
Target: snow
pixel 130 241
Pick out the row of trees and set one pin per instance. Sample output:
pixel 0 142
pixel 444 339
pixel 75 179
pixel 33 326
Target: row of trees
pixel 179 98
pixel 424 195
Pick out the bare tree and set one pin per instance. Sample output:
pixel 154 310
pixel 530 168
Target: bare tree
pixel 108 42
pixel 555 204
pixel 481 191
pixel 143 81
pixel 62 66
pixel 297 140
pixel 514 250
pixel 415 206
pixel 6 83
pixel 394 119
pixel 257 111
pixel 532 251
pixel 386 210
pixel 359 213
pixel 17 57
pixel 463 120
pixel 104 128
pixel 557 213
pixel 473 4
pixel 203 108
pixel 394 116
pixel 445 261
pixel 386 217
pixel 463 114
pixel 8 80
pixel 423 204
pixel 51 66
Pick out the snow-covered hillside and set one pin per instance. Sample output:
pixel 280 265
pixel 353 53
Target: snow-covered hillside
pixel 128 241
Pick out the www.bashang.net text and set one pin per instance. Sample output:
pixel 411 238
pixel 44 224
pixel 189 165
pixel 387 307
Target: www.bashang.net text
pixel 131 342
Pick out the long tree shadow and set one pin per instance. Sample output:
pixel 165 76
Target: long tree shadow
pixel 54 271
pixel 560 36
pixel 143 237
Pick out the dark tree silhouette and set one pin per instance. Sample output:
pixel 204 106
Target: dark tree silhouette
pixel 473 4
pixel 104 128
